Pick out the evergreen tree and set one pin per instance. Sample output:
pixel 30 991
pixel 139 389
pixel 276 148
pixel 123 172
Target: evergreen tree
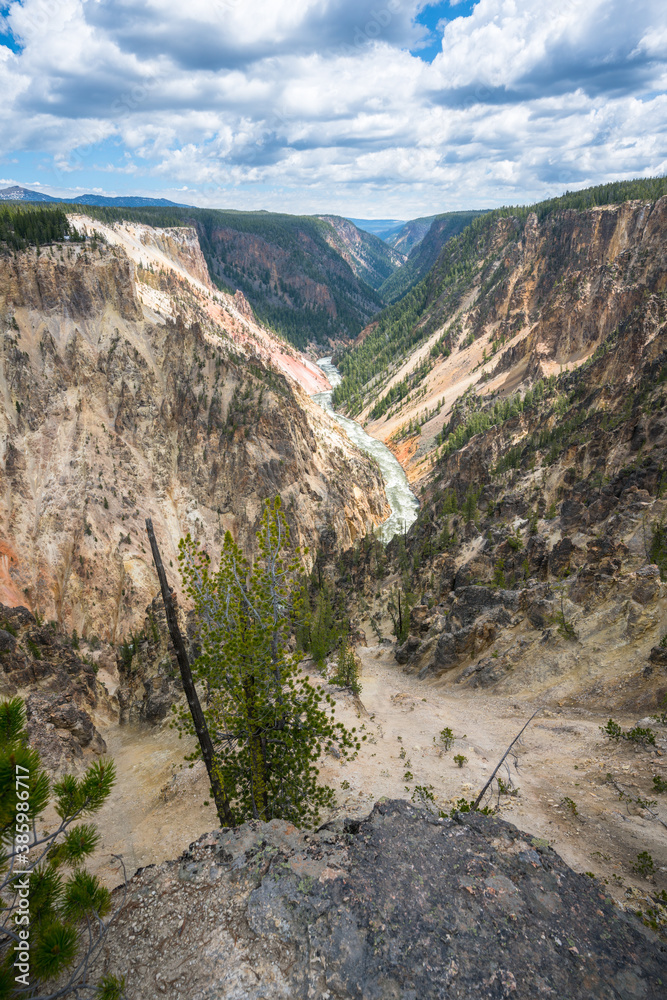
pixel 399 612
pixel 324 633
pixel 269 724
pixel 52 908
pixel 347 667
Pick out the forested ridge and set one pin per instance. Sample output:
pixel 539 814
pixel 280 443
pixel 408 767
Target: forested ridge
pixel 297 283
pixel 424 253
pixel 23 226
pixel 425 308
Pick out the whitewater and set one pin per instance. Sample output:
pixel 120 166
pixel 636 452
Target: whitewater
pixel 404 504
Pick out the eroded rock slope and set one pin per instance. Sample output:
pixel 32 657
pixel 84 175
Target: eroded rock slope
pixel 130 388
pixel 537 435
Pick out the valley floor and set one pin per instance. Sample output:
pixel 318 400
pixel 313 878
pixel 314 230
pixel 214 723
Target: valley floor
pixel 157 808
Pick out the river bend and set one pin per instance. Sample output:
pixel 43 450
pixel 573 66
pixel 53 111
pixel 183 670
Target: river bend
pixel 404 504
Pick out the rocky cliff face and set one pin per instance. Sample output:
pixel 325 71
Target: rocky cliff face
pixel 506 303
pixel 552 577
pixel 128 388
pixel 569 282
pixel 296 272
pixel 370 258
pixel 539 559
pixel 400 905
pixel 59 685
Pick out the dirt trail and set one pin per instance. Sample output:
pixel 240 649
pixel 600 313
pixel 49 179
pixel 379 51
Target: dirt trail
pixel 157 808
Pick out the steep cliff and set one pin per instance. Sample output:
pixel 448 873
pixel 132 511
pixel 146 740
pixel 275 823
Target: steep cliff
pixel 528 405
pixel 59 684
pixel 313 280
pixel 369 257
pixel 129 388
pixel 295 271
pixel 512 299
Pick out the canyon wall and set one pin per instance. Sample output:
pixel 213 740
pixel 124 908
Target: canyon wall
pixel 129 388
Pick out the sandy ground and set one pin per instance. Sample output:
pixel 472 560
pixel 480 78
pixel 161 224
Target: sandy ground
pixel 562 755
pixel 157 808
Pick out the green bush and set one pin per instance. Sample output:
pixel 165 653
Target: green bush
pixel 644 865
pixel 612 730
pixel 638 734
pixel 447 737
pixel 34 649
pixel 347 668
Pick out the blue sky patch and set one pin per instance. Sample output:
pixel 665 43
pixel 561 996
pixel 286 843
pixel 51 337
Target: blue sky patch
pixel 431 17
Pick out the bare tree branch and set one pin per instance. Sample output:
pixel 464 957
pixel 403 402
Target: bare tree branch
pixel 500 763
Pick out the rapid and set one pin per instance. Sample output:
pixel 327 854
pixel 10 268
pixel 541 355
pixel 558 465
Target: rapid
pixel 404 504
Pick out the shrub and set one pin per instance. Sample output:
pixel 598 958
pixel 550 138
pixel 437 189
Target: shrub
pixel 423 794
pixel 347 668
pixel 447 737
pixel 612 730
pixel 644 865
pixel 460 759
pixel 570 805
pixel 34 649
pixel 505 788
pixel 638 734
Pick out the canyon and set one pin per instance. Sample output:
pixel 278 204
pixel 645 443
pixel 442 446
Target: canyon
pixel 520 384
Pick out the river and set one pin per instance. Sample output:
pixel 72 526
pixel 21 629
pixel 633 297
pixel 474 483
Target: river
pixel 404 504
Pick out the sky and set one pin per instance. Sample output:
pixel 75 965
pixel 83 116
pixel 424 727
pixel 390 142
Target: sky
pixel 366 108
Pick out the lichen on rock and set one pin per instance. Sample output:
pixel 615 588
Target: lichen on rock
pixel 398 905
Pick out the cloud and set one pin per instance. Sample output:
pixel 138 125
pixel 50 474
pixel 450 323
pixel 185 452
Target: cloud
pixel 321 105
pixel 228 34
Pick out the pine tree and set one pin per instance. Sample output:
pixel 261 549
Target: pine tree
pixel 347 667
pixel 48 898
pixel 324 633
pixel 269 724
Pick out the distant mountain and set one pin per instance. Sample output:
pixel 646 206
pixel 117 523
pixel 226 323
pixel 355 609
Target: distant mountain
pixel 425 249
pixel 384 228
pixel 22 194
pixel 129 202
pixel 368 255
pixel 17 193
pixel 410 234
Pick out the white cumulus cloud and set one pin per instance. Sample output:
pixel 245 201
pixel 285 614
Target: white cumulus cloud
pixel 320 105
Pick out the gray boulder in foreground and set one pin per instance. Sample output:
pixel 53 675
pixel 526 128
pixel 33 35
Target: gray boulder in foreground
pixel 399 906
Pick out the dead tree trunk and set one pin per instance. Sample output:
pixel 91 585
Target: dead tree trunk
pixel 199 722
pixel 479 798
